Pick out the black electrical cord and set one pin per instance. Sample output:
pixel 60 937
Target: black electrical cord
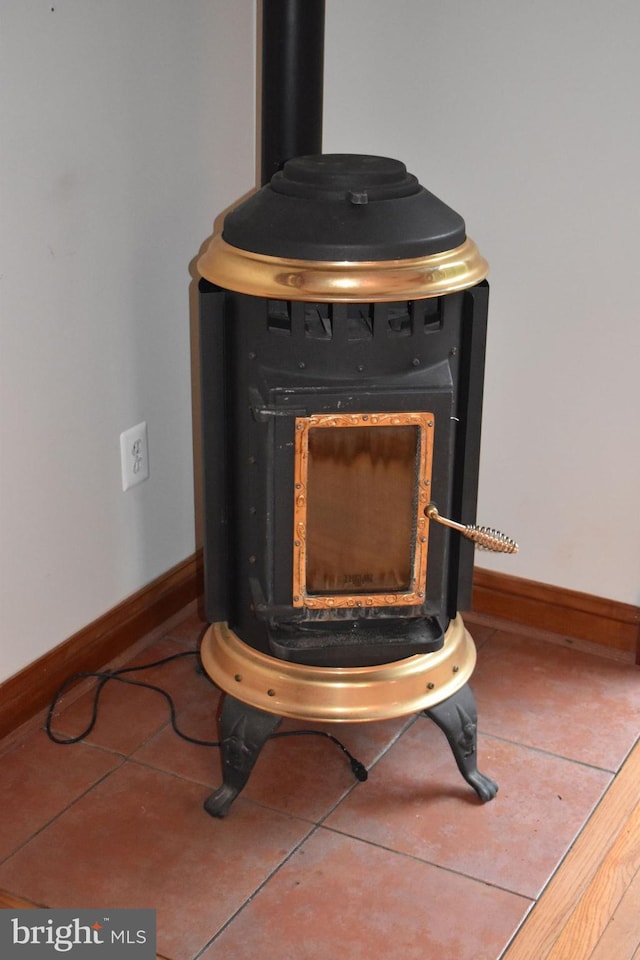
pixel 359 769
pixel 105 676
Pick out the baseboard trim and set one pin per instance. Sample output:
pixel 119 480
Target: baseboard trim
pixel 557 609
pixel 29 691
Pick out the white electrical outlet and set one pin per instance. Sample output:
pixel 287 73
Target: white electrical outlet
pixel 134 455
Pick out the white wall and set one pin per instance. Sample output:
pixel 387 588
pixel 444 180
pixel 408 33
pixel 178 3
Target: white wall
pixel 524 117
pixel 127 126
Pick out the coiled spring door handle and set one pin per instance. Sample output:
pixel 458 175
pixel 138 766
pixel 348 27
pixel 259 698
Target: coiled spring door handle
pixel 484 537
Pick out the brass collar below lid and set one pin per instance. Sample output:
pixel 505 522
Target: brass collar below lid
pixel 349 281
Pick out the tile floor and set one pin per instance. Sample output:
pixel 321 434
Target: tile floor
pixel 310 864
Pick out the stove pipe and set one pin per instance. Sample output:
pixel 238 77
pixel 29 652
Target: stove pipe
pixel 292 81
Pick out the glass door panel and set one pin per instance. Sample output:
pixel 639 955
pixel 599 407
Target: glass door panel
pixel 360 535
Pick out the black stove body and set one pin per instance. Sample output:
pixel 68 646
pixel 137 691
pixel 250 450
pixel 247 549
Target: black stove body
pixel 343 316
pixel 268 362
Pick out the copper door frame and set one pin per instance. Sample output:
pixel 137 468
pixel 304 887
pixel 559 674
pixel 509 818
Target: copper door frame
pixel 416 594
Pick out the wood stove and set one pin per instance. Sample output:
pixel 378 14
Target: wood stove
pixel 343 324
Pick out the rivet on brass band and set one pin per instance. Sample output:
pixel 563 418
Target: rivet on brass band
pixel 348 281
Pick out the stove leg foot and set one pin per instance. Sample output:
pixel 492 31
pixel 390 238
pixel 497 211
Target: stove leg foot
pixel 457 717
pixel 245 731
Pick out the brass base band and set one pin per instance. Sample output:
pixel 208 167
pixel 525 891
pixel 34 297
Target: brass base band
pixel 338 694
pixel 349 281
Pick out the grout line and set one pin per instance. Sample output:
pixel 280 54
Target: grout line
pixel 430 863
pixel 550 753
pixel 346 792
pixel 60 813
pixel 479 644
pixel 315 826
pixel 147 765
pixel 260 887
pixel 384 750
pixel 153 733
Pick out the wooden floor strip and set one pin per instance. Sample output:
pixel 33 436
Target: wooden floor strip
pixel 602 897
pixel 581 896
pixel 621 938
pixel 8 900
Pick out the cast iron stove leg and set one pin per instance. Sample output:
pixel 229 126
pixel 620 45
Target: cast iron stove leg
pixel 245 730
pixel 457 717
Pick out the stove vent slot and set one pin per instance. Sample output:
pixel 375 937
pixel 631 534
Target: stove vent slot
pixel 359 321
pixel 279 317
pixel 318 322
pixel 399 321
pixel 431 311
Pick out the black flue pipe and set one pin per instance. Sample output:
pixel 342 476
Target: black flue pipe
pixel 292 81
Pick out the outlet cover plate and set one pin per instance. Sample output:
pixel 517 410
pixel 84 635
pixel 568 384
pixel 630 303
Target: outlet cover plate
pixel 134 455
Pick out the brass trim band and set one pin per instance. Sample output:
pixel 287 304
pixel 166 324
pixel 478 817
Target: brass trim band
pixel 349 281
pixel 338 694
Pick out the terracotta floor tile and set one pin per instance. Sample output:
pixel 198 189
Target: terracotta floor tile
pixel 301 775
pixel 337 897
pixel 141 838
pixel 39 779
pixel 571 703
pixel 167 751
pixel 189 629
pixel 306 776
pixel 415 802
pixel 479 631
pixel 128 715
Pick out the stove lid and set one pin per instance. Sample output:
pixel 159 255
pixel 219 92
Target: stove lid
pixel 333 227
pixel 344 207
